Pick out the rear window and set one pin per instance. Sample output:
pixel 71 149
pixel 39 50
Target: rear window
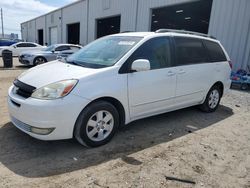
pixel 189 51
pixel 215 52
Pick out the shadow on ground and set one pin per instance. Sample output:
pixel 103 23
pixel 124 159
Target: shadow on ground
pixel 17 67
pixel 29 157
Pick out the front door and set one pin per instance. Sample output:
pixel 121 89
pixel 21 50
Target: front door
pixel 151 92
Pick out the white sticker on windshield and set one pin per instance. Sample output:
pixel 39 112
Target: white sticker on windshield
pixel 128 43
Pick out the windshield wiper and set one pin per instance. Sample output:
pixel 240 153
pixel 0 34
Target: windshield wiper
pixel 75 63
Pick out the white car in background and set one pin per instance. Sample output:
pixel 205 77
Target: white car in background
pixel 19 47
pixel 47 54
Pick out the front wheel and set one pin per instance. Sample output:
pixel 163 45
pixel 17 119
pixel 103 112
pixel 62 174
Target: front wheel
pixel 212 100
pixel 39 60
pixel 97 124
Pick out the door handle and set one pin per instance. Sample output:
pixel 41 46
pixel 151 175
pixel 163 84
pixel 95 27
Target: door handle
pixel 181 72
pixel 170 73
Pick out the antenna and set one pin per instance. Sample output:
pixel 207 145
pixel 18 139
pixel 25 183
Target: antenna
pixel 2 22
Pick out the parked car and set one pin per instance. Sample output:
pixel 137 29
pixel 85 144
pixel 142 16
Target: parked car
pixel 63 55
pixel 20 47
pixel 7 42
pixel 116 80
pixel 47 54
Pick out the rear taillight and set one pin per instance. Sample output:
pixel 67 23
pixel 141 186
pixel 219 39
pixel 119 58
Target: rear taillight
pixel 230 64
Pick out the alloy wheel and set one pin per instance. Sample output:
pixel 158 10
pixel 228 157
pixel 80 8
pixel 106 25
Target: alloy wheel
pixel 214 98
pixel 100 125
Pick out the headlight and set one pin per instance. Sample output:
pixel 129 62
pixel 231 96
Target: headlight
pixel 27 55
pixel 55 90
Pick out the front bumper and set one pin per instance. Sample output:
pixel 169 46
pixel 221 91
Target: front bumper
pixel 26 60
pixel 59 115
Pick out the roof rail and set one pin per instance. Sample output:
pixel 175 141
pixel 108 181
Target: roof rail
pixel 126 31
pixel 184 32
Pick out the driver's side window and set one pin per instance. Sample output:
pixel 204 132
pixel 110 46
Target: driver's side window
pixel 156 50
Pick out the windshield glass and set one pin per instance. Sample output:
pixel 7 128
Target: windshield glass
pixel 49 48
pixel 103 52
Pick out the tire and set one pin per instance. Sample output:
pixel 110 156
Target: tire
pixel 244 86
pixel 212 100
pixel 93 131
pixel 39 60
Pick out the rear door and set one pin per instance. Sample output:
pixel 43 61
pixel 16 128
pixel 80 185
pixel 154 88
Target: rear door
pixel 151 92
pixel 24 46
pixel 218 57
pixel 194 72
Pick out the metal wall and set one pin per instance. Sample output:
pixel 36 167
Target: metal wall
pixel 53 20
pixel 73 14
pixel 107 8
pixel 24 31
pixel 40 24
pixel 230 23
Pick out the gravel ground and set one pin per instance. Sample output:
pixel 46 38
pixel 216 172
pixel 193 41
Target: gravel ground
pixel 185 148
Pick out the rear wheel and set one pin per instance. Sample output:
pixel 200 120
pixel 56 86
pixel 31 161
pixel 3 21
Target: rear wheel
pixel 39 60
pixel 97 124
pixel 244 86
pixel 212 99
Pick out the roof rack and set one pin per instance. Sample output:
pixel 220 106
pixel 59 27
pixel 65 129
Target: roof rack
pixel 126 31
pixel 184 32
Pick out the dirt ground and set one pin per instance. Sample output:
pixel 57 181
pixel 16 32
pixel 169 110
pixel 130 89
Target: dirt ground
pixel 208 150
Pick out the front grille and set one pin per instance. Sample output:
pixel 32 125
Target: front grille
pixel 23 89
pixel 20 124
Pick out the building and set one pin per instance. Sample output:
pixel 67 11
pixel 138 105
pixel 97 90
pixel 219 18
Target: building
pixel 85 20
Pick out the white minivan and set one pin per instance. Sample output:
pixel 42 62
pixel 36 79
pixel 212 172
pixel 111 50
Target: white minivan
pixel 118 79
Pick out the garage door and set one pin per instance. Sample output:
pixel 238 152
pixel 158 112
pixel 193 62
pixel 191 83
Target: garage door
pixel 53 35
pixel 108 26
pixel 191 16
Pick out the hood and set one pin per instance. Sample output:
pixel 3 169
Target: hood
pixel 4 47
pixel 54 71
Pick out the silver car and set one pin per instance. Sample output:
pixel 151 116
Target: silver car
pixel 48 54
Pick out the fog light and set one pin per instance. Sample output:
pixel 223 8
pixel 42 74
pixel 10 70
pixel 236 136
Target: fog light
pixel 42 131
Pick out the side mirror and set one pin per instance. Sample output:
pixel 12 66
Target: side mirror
pixel 14 46
pixel 140 65
pixel 53 51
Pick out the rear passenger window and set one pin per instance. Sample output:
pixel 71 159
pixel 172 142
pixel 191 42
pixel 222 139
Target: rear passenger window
pixel 31 45
pixel 215 52
pixel 189 51
pixel 156 50
pixel 62 48
pixel 75 48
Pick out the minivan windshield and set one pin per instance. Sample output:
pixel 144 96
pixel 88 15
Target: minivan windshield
pixel 103 52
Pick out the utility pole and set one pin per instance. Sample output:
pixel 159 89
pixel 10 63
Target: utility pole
pixel 2 22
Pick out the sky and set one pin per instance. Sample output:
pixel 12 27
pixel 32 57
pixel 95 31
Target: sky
pixel 17 11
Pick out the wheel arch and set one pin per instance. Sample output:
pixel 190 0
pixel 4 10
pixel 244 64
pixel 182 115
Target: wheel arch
pixel 38 57
pixel 116 103
pixel 220 85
